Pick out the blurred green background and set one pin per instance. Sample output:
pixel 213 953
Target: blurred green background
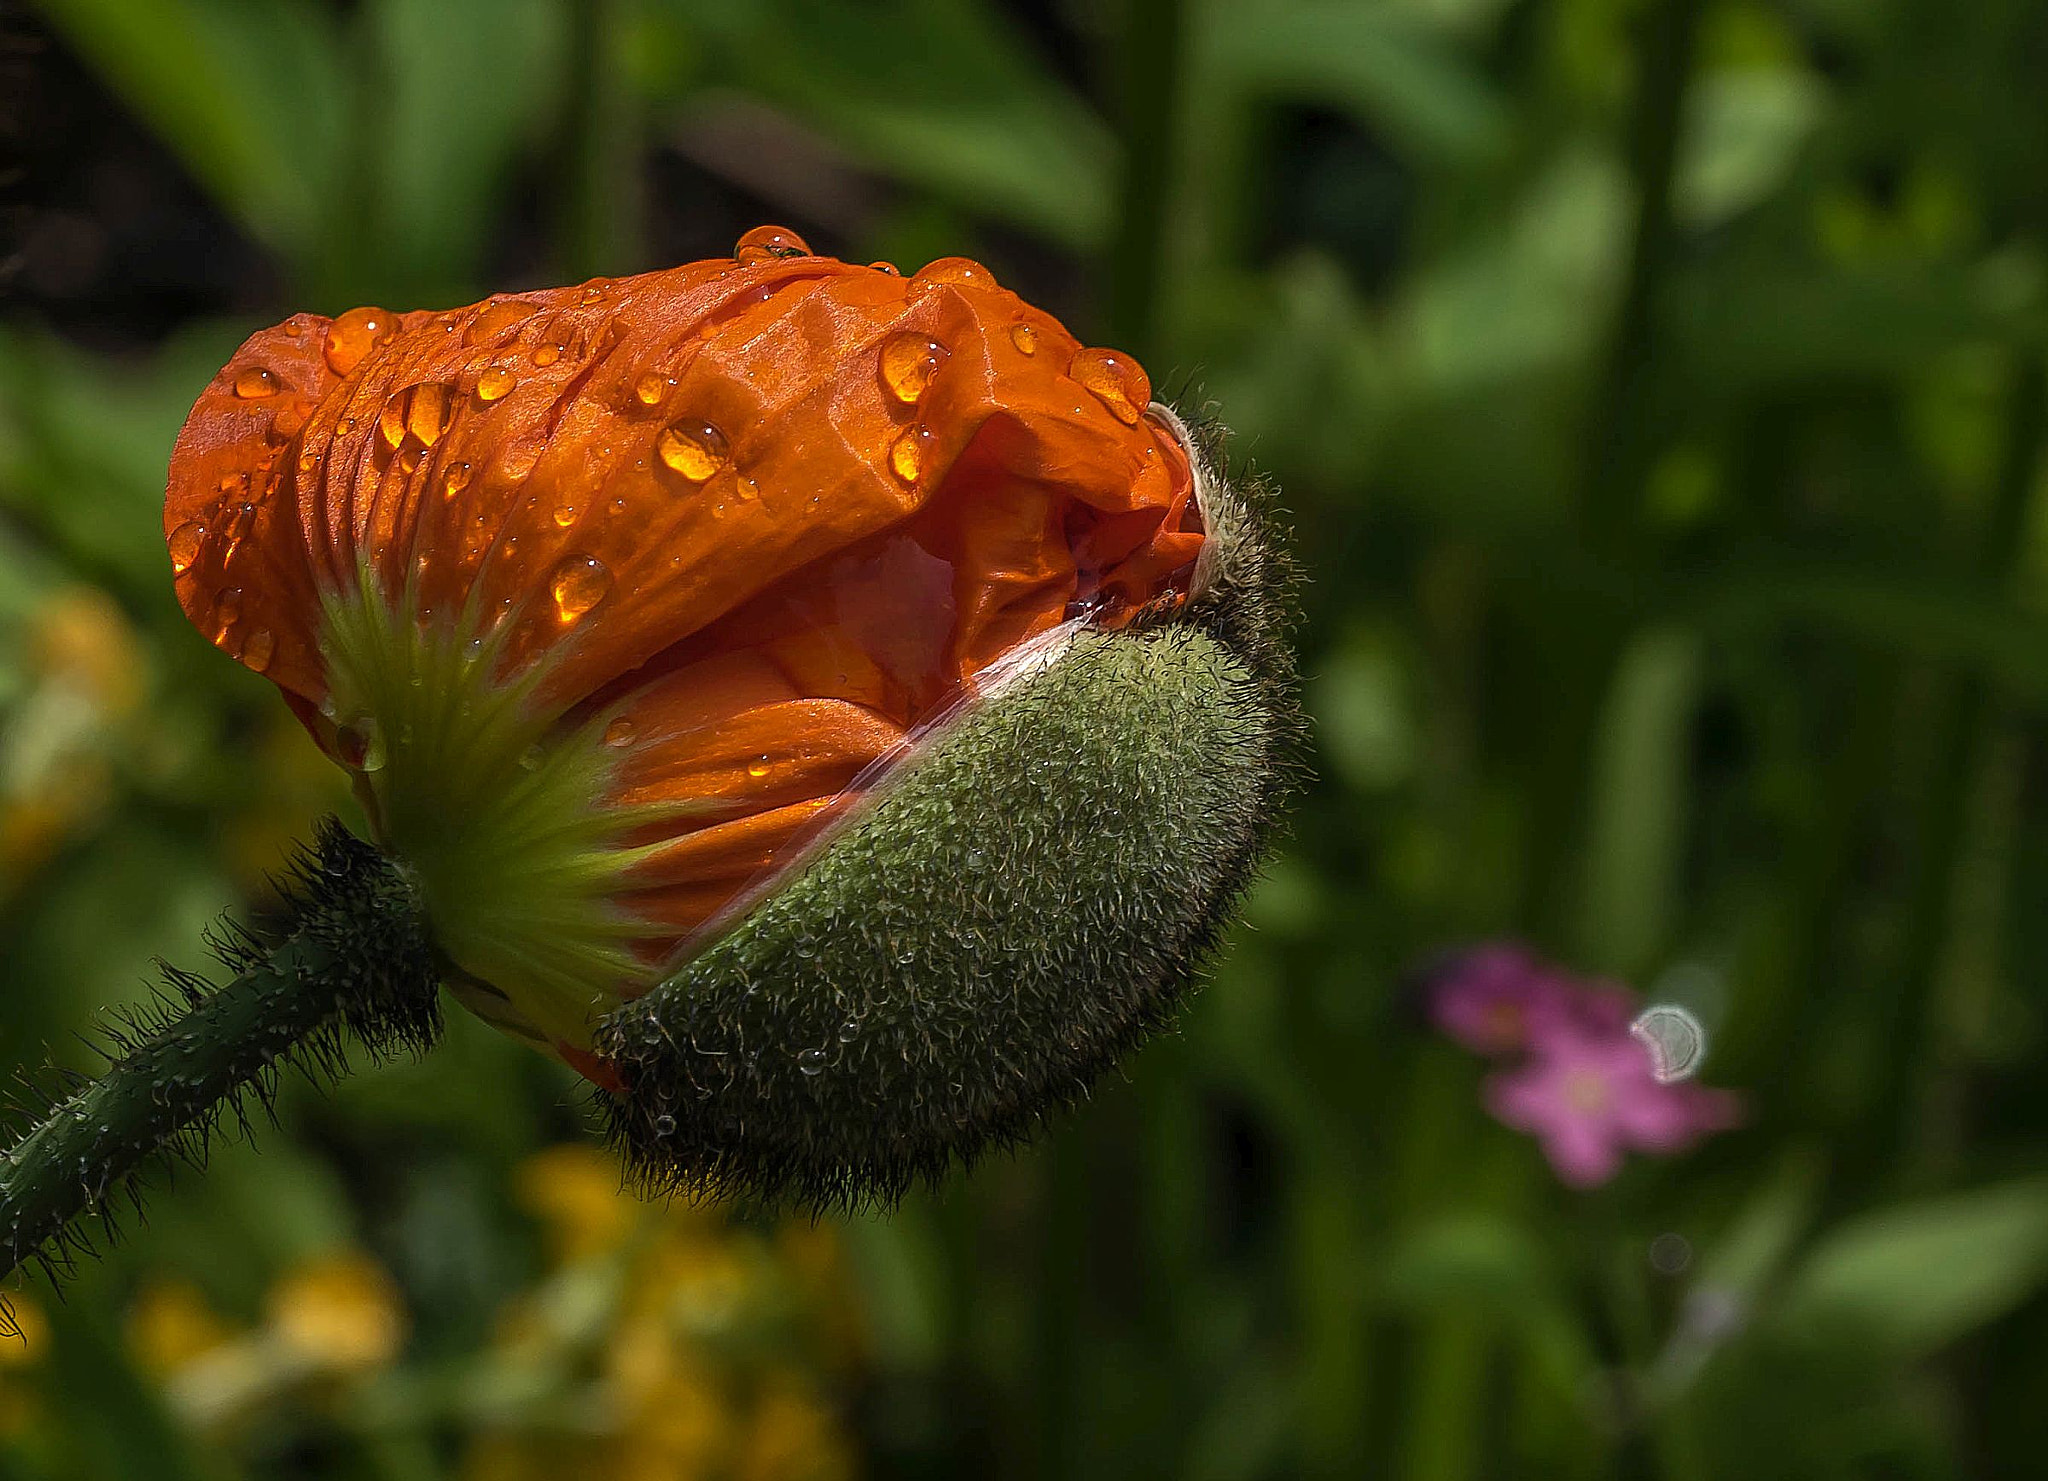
pixel 1657 389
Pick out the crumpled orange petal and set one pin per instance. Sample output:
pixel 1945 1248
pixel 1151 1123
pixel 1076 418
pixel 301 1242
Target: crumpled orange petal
pixel 775 512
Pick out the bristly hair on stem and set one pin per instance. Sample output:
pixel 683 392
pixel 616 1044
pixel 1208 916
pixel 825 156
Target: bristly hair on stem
pixel 349 954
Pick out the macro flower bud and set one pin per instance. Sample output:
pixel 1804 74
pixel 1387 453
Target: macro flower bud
pixel 831 710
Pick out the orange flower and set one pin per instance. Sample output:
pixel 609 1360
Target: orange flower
pixel 611 597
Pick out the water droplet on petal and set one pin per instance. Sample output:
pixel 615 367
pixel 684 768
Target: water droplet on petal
pixel 694 449
pixel 907 456
pixel 812 1061
pixel 495 381
pixel 907 363
pixel 493 319
pixel 887 267
pixel 580 583
pixel 428 411
pixel 765 243
pixel 354 335
pixel 186 542
pixel 963 271
pixel 257 652
pixel 454 479
pixel 255 383
pixel 227 611
pixel 758 767
pixel 1114 379
pixel 651 387
pixel 291 416
pixel 391 420
pixel 1025 338
pixel 547 354
pixel 360 744
pixel 565 516
pixel 619 732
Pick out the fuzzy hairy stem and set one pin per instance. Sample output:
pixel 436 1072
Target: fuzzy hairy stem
pixel 351 953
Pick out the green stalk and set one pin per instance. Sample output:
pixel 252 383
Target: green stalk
pixel 1908 1005
pixel 1624 445
pixel 355 954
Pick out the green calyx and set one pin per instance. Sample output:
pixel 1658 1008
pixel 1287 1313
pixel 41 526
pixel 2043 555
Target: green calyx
pixel 494 808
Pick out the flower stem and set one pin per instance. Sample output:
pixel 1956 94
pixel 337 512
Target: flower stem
pixel 352 954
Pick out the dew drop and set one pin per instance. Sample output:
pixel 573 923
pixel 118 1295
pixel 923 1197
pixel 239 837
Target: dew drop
pixel 360 744
pixel 493 319
pixel 227 611
pixel 186 542
pixel 579 584
pixel 758 767
pixel 849 1031
pixel 907 363
pixel 812 1061
pixel 1114 379
pixel 887 267
pixel 255 383
pixel 664 1124
pixel 651 387
pixel 963 271
pixel 1025 338
pixel 291 416
pixel 765 243
pixel 694 449
pixel 619 732
pixel 354 335
pixel 494 382
pixel 565 516
pixel 260 648
pixel 454 479
pixel 907 456
pixel 547 354
pixel 428 411
pixel 391 420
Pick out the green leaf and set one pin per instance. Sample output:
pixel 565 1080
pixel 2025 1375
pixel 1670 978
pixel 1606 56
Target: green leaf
pixel 1389 66
pixel 1641 786
pixel 1915 1277
pixel 468 83
pixel 249 93
pixel 1743 131
pixel 939 93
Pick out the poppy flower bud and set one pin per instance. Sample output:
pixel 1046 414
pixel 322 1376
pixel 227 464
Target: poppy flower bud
pixel 831 710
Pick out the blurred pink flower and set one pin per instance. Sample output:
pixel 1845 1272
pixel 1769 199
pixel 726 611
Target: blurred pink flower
pixel 1589 1096
pixel 1499 1000
pixel 1581 1082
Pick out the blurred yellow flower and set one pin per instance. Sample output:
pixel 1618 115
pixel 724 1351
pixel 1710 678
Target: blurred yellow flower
pixel 574 1191
pixel 340 1311
pixel 691 1345
pixel 170 1323
pixel 84 674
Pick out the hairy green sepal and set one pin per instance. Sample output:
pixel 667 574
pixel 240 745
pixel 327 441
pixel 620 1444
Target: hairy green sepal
pixel 1025 901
